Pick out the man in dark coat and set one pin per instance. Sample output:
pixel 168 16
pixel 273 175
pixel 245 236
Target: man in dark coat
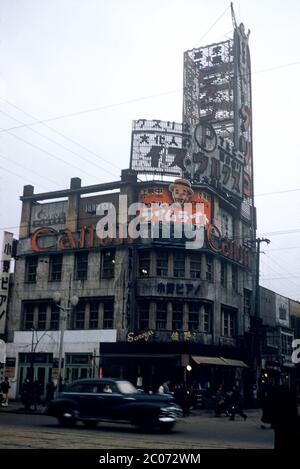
pixel 284 417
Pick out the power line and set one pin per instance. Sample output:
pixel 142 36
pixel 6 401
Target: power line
pixel 99 108
pixel 60 134
pixel 277 192
pixel 211 27
pixel 58 158
pixel 129 101
pixel 21 177
pixel 27 169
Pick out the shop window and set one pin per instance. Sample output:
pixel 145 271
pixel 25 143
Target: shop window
pixel 179 264
pixel 177 316
pixel 31 269
pixel 108 314
pixel 108 263
pixel 55 268
pixel 144 263
pixel 161 315
pixel 162 260
pixel 81 265
pixel 144 315
pixel 195 265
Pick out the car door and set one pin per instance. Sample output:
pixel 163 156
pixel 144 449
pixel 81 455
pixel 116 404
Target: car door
pixel 86 397
pixel 112 399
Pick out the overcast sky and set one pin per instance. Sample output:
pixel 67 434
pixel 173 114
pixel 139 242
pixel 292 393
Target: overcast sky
pixel 90 67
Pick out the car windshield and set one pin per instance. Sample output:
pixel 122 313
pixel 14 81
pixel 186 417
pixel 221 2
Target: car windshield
pixel 126 387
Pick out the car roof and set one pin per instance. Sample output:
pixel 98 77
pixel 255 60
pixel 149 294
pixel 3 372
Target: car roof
pixel 97 380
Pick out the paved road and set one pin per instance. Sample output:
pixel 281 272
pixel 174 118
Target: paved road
pixel 194 432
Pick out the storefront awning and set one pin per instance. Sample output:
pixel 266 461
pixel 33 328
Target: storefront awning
pixel 219 361
pixel 288 365
pixel 208 360
pixel 237 363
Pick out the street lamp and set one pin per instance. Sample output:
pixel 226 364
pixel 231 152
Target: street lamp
pixel 63 317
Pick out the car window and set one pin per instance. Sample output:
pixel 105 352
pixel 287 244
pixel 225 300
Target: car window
pixel 108 388
pixel 125 387
pixel 84 387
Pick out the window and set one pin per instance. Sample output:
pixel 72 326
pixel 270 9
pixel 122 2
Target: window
pixel 224 274
pixel 282 312
pixel 94 314
pixel 195 264
pixel 234 273
pixel 108 315
pixel 207 318
pixel 161 315
pixel 144 263
pixel 144 315
pixel 79 315
pixel 162 263
pixel 177 316
pixel 209 268
pixel 42 316
pixel 179 264
pixel 54 318
pixel 108 263
pixel 56 267
pixel 286 344
pixel 193 316
pixel 28 318
pixel 247 301
pixel 228 322
pixel 81 262
pixel 31 269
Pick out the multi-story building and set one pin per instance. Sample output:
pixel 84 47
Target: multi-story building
pixel 276 335
pixel 162 304
pixel 148 307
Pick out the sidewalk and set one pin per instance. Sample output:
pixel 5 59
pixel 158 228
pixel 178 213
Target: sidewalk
pixel 16 407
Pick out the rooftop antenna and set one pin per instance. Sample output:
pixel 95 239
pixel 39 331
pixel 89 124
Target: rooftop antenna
pixel 233 16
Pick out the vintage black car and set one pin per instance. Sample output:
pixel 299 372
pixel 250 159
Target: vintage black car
pixel 113 400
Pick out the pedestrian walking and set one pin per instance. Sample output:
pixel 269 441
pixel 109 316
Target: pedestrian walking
pixel 50 390
pixel 164 388
pixel 5 386
pixel 235 404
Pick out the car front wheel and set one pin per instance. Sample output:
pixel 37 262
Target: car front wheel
pixel 166 427
pixel 67 419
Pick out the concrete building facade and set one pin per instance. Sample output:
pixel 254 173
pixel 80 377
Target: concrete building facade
pixel 148 307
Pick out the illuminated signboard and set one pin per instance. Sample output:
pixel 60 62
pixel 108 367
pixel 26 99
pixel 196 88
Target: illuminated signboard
pixel 198 153
pixel 159 202
pixel 6 254
pixel 217 94
pixel 159 147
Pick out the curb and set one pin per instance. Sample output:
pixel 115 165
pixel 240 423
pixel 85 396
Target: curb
pixel 21 411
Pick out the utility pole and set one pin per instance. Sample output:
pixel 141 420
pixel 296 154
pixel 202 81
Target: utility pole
pixel 258 241
pixel 256 320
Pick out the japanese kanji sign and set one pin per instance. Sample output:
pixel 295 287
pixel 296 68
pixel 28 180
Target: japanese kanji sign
pixel 4 276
